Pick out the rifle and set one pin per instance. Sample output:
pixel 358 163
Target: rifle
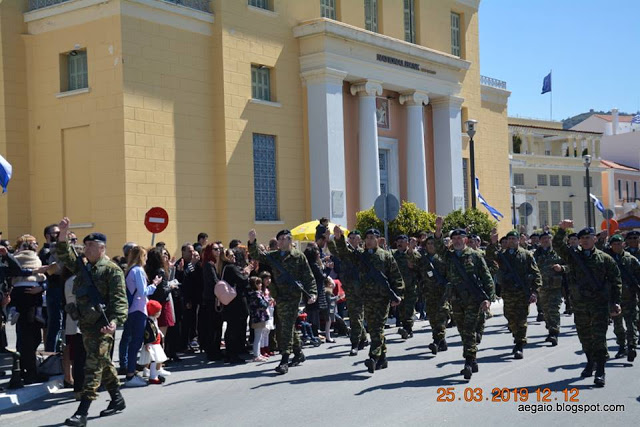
pixel 378 277
pixel 441 280
pixel 470 284
pixel 625 273
pixel 91 291
pixel 288 278
pixel 513 274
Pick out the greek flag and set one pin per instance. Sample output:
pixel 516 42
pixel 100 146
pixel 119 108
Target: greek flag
pixel 597 203
pixel 636 119
pixel 546 84
pixel 493 211
pixel 5 173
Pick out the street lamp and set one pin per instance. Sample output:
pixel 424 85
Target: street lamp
pixel 587 163
pixel 471 131
pixel 513 205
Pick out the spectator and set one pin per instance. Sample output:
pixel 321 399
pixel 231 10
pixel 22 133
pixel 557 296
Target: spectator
pixel 236 312
pixel 158 265
pixel 74 356
pixel 152 354
pixel 312 252
pixel 268 342
pixel 330 312
pixel 211 311
pixel 258 308
pixel 55 288
pixel 203 239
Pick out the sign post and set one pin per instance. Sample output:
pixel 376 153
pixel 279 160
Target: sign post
pixel 156 221
pixel 387 208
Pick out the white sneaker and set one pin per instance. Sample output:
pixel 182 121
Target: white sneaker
pixel 146 372
pixel 136 381
pixel 164 372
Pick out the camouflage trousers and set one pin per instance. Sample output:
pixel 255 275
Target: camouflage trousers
pixel 630 317
pixel 592 321
pixel 376 311
pixel 406 309
pixel 355 307
pixel 287 337
pixel 438 312
pixel 516 310
pixel 466 316
pixel 551 300
pixel 98 368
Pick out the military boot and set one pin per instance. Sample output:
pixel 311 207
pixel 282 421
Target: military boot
pixel 298 358
pixel 588 369
pixel 353 351
pixel 553 339
pixel 283 367
pixel 540 317
pixel 433 347
pixel 631 353
pixel 442 345
pixel 518 351
pixel 474 365
pixel 363 343
pixel 622 351
pixel 80 417
pixel 478 337
pixel 409 330
pixel 382 362
pixel 371 363
pixel 116 405
pixel 468 369
pixel 599 378
pixel 403 333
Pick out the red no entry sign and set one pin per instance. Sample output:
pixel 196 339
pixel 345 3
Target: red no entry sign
pixel 156 220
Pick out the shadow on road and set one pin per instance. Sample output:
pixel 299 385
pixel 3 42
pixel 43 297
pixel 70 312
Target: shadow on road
pixel 46 402
pixel 418 383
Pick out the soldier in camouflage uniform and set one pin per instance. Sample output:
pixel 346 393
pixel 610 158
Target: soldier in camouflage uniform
pixel 471 290
pixel 97 324
pixel 350 279
pixel 286 292
pixel 376 293
pixel 596 287
pixel 407 260
pixel 629 267
pixel 631 241
pixel 519 280
pixel 434 285
pixel 553 269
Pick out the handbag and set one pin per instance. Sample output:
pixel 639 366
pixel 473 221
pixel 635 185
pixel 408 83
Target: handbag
pixel 50 366
pixel 224 292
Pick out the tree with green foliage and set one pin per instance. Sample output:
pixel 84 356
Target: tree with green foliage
pixel 475 221
pixel 411 220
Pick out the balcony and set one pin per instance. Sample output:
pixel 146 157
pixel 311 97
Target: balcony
pixel 490 81
pixel 201 5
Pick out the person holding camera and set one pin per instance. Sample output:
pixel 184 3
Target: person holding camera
pixel 101 305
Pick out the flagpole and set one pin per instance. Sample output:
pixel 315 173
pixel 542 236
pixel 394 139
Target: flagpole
pixel 551 96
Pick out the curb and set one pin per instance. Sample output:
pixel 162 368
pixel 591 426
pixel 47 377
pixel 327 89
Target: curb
pixel 14 398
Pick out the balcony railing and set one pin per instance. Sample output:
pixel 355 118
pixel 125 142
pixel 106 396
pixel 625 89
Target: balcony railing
pixel 202 5
pixel 490 81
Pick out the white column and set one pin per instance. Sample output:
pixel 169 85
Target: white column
pixel 527 144
pixel 368 141
pixel 416 162
pixel 326 144
pixel 447 134
pixel 592 147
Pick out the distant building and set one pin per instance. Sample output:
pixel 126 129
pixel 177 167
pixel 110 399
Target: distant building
pixel 620 187
pixel 608 124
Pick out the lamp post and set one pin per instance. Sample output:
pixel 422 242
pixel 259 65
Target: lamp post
pixel 471 131
pixel 587 163
pixel 513 205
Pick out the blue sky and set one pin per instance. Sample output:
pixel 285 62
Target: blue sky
pixel 592 46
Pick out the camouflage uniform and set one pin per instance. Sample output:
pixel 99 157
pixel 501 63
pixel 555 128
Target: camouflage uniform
pixel 551 291
pixel 376 299
pixel 408 264
pixel 287 297
pixel 109 280
pixel 591 306
pixel 434 287
pixel 349 277
pixel 465 304
pixel 628 266
pixel 516 298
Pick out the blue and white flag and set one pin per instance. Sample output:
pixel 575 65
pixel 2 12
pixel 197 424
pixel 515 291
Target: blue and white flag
pixel 546 84
pixel 636 119
pixel 493 211
pixel 597 203
pixel 5 173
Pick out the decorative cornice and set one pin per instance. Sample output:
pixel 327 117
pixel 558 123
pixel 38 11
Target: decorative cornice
pixel 328 75
pixel 447 102
pixel 474 4
pixel 415 97
pixel 367 88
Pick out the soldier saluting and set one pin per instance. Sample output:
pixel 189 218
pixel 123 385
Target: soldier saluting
pixel 519 280
pixel 596 287
pixel 472 290
pixel 380 285
pixel 101 305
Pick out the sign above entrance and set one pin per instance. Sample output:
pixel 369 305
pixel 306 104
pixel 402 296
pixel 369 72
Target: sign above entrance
pixel 402 63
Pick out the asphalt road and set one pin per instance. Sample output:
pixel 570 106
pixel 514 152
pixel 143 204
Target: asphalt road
pixel 331 388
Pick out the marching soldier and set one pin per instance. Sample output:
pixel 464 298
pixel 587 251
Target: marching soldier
pixel 629 267
pixel 553 269
pixel 350 278
pixel 433 272
pixel 407 260
pixel 519 280
pixel 381 285
pixel 292 277
pixel 595 286
pixel 472 290
pixel 101 305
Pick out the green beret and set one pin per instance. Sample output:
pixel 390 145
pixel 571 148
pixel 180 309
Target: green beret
pixel 513 233
pixel 616 239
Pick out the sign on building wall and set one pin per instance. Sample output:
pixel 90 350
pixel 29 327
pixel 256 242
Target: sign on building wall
pixel 382 113
pixel 337 204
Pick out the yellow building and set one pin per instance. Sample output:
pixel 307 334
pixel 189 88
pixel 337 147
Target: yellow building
pixel 235 114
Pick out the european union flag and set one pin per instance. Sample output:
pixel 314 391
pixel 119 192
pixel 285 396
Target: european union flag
pixel 546 84
pixel 5 173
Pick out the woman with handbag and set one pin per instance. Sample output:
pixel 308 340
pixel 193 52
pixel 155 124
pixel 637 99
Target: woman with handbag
pixel 158 266
pixel 211 339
